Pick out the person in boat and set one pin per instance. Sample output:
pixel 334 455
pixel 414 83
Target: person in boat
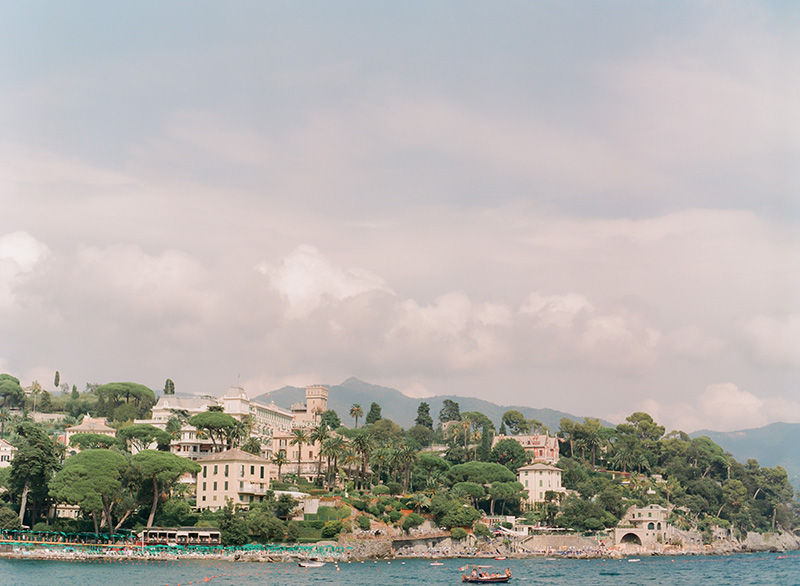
pixel 508 571
pixel 474 573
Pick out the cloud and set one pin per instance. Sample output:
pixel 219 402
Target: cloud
pixel 306 279
pixel 571 327
pixel 774 341
pixel 722 407
pixel 20 253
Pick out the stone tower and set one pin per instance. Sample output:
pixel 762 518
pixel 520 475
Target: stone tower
pixel 316 400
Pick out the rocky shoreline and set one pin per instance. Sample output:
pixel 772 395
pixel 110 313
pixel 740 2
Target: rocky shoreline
pixel 356 550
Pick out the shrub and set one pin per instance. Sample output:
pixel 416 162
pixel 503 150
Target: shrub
pixel 292 532
pixel 364 523
pixel 413 520
pixel 482 530
pixel 395 516
pixel 331 529
pixel 458 533
pixel 394 487
pixel 381 489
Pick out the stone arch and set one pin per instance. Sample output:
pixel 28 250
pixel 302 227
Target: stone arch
pixel 631 538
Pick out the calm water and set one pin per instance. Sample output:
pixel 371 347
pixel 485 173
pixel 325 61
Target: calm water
pixel 742 570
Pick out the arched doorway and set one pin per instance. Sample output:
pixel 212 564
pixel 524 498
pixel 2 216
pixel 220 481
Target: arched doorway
pixel 631 538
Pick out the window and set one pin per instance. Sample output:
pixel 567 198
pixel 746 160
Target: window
pixel 241 485
pixel 215 486
pixel 650 526
pixel 215 468
pixel 226 470
pixel 205 469
pixel 252 470
pixel 262 472
pixel 241 471
pixel 226 485
pixel 204 486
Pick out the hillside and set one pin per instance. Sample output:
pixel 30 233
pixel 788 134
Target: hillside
pixel 402 409
pixel 772 445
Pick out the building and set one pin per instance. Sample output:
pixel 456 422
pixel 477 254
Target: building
pixel 309 460
pixel 648 528
pixel 6 453
pixel 90 425
pixel 541 446
pixel 538 479
pixel 306 414
pixel 168 405
pixel 233 475
pixel 190 445
pixel 264 419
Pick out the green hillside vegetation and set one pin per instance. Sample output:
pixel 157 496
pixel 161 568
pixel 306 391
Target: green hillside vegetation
pixel 386 474
pixel 776 443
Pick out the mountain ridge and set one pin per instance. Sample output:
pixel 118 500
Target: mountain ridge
pixel 402 409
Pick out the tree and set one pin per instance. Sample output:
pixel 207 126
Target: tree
pixel 480 473
pixel 9 519
pixel 515 422
pixel 330 419
pixel 140 436
pixel 34 463
pixel 510 454
pixel 470 491
pixel 12 394
pixel 299 439
pixel 424 418
pixel 252 446
pixel 319 435
pixel 124 401
pixel 374 414
pixel 57 380
pixel 450 411
pixel 421 434
pixel 363 443
pixel 93 480
pixel 162 470
pixel 355 412
pixel 169 387
pixel 280 460
pixel 218 426
pixel 90 441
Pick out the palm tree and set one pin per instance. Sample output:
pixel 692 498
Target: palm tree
pixel 356 411
pixel 350 459
pixel 319 435
pixel 299 438
pixel 332 450
pixel 420 501
pixel 279 460
pixel 379 459
pixel 363 443
pixel 409 454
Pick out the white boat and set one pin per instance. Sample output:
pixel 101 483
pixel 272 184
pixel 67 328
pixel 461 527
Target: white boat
pixel 311 564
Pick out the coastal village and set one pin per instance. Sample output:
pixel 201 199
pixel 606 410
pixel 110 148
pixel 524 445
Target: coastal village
pixel 259 473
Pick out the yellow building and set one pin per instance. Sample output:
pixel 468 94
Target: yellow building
pixel 233 475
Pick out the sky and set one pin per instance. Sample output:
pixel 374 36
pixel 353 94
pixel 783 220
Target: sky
pixel 589 207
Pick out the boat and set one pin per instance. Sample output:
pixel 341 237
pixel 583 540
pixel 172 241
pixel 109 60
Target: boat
pixel 484 575
pixel 311 564
pixel 500 558
pixel 437 564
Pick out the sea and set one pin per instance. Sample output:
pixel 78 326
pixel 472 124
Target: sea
pixel 769 569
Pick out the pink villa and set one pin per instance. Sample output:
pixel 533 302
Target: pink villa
pixel 542 447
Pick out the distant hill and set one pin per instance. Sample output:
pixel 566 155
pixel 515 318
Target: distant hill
pixel 402 409
pixel 776 444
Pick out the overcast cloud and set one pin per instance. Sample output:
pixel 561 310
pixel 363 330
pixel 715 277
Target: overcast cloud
pixel 592 208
